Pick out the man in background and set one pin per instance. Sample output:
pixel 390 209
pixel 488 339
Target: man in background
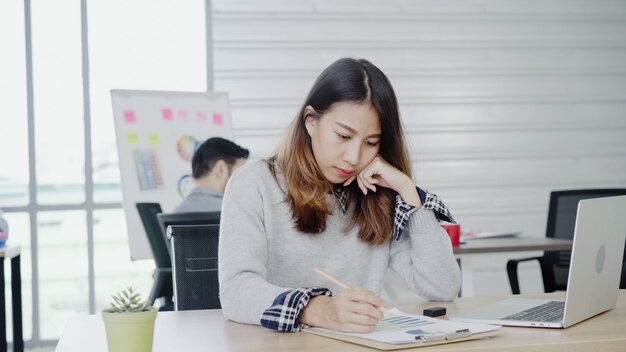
pixel 212 164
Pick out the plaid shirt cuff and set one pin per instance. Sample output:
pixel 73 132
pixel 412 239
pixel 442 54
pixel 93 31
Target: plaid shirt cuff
pixel 284 312
pixel 404 210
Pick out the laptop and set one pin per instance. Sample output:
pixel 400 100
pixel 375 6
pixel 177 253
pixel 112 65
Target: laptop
pixel 594 274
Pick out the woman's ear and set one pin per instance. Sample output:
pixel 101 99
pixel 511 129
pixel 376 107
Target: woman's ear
pixel 310 119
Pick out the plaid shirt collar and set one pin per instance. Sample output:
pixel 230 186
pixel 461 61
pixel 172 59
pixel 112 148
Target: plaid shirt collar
pixel 403 210
pixel 341 193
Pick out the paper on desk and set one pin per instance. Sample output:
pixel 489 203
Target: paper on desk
pixel 474 234
pixel 399 328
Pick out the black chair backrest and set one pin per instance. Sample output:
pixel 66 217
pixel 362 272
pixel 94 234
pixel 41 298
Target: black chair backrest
pixel 561 223
pixel 148 214
pixel 196 218
pixel 194 257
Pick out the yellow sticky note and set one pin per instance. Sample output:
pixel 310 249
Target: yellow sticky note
pixel 132 138
pixel 153 138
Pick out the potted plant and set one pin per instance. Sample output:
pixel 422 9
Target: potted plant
pixel 129 323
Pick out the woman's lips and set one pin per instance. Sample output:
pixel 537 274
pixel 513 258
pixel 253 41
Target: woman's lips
pixel 343 172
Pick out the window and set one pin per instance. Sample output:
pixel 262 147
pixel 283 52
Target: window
pixel 58 102
pixel 113 267
pixel 14 138
pixel 151 45
pixel 142 44
pixel 63 269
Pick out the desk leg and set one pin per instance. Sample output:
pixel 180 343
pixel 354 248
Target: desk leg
pixel 467 277
pixel 3 310
pixel 16 295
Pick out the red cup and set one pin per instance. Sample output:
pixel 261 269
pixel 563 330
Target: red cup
pixel 454 232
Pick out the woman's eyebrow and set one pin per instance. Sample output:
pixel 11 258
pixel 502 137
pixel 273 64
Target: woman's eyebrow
pixel 374 135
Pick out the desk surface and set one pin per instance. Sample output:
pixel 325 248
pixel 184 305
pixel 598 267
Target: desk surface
pixel 512 244
pixel 10 251
pixel 208 330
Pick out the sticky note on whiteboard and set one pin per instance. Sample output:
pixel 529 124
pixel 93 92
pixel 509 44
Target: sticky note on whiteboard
pixel 132 138
pixel 167 114
pixel 182 114
pixel 153 138
pixel 129 116
pixel 201 117
pixel 218 119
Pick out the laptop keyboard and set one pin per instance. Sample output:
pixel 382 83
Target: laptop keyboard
pixel 548 312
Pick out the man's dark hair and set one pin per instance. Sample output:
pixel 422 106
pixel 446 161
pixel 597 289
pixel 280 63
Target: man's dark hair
pixel 213 150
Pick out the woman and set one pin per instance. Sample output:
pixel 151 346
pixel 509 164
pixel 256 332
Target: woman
pixel 337 196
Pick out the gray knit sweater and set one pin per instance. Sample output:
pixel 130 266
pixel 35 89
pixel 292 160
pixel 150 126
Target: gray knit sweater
pixel 262 255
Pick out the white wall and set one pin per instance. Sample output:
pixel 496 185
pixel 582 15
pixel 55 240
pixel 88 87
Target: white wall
pixel 503 100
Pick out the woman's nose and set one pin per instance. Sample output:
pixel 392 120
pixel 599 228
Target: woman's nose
pixel 352 153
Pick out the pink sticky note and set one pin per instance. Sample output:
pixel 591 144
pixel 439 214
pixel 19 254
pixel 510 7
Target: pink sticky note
pixel 182 114
pixel 201 117
pixel 167 114
pixel 129 116
pixel 217 119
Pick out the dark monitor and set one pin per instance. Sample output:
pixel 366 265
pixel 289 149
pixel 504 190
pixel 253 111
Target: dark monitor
pixel 195 218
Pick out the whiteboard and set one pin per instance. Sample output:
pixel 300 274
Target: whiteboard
pixel 157 133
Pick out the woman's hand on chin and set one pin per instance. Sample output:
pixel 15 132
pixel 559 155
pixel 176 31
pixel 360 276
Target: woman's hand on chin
pixel 380 172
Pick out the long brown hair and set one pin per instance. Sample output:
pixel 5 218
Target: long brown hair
pixel 346 80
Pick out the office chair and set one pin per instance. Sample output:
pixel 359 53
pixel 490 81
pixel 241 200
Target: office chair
pixel 194 257
pixel 162 284
pixel 561 222
pixel 195 218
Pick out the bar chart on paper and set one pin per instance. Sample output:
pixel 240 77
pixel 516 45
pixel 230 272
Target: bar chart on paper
pixel 402 328
pixel 402 322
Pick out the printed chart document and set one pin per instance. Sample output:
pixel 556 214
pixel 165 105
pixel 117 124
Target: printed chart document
pixel 399 330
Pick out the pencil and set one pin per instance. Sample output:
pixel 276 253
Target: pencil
pixel 342 285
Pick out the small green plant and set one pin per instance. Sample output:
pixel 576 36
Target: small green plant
pixel 128 301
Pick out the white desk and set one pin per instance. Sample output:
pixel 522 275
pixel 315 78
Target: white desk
pixel 11 252
pixel 500 245
pixel 512 244
pixel 207 330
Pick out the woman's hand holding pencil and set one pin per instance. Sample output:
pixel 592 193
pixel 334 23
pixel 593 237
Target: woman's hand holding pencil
pixel 353 309
pixel 344 286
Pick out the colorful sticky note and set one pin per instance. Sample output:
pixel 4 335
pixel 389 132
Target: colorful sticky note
pixel 153 138
pixel 129 116
pixel 132 138
pixel 167 114
pixel 217 119
pixel 182 114
pixel 201 117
